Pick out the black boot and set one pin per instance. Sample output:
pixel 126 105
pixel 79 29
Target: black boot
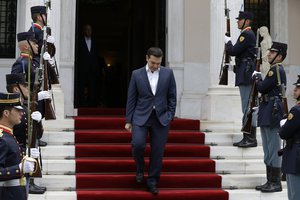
pixel 268 171
pixel 42 143
pixel 34 189
pixel 250 139
pixel 236 144
pixel 275 182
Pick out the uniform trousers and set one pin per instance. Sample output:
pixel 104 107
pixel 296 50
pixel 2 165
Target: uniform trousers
pixel 245 91
pixel 13 193
pixel 271 144
pixel 158 138
pixel 293 182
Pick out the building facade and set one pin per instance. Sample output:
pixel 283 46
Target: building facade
pixel 194 48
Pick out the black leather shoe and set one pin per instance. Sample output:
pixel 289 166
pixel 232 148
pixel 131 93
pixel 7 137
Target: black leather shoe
pixel 248 143
pixel 152 189
pixel 42 143
pixel 139 177
pixel 35 190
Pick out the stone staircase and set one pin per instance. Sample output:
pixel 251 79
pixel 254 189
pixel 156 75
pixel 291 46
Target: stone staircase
pixel 241 169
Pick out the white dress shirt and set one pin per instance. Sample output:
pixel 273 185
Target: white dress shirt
pixel 153 78
pixel 88 42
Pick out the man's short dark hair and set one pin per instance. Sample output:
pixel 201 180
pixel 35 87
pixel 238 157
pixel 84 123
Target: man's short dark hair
pixel 2 108
pixel 34 17
pixel 155 51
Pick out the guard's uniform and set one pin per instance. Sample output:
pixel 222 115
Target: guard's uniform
pixel 245 53
pixel 290 132
pixel 10 157
pixel 269 115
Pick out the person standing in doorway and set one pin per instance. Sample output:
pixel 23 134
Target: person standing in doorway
pixel 151 104
pixel 88 66
pixel 245 56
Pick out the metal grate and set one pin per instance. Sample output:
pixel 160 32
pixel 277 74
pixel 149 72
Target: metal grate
pixel 8 17
pixel 261 11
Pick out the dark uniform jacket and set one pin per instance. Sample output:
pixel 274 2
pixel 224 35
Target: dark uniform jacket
pixel 38 35
pixel 21 66
pixel 10 158
pixel 291 131
pixel 270 108
pixel 245 53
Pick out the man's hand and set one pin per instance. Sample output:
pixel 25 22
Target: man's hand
pixel 256 75
pixel 27 167
pixel 36 116
pixel 282 122
pixel 50 39
pixel 44 95
pixel 128 127
pixel 46 56
pixel 227 39
pixel 34 153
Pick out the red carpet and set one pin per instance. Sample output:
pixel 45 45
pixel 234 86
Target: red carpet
pixel 105 169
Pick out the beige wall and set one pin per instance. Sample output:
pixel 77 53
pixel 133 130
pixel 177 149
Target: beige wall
pixel 294 30
pixel 197 31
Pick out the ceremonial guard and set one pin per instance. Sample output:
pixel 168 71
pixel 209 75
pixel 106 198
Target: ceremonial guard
pixel 245 54
pixel 13 165
pixel 270 113
pixel 17 83
pixel 290 131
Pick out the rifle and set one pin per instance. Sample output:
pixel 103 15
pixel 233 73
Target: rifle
pixel 33 126
pixel 53 71
pixel 253 98
pixel 223 76
pixel 49 111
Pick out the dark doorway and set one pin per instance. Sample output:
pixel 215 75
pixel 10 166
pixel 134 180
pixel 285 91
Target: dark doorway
pixel 123 31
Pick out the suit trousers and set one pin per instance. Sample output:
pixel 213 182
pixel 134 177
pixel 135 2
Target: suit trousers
pixel 158 138
pixel 271 144
pixel 293 182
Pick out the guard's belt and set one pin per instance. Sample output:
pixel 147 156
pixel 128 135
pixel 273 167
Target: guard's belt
pixel 11 183
pixel 266 98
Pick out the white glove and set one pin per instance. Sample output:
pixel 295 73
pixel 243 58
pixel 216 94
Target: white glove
pixel 255 108
pixel 227 39
pixel 46 56
pixel 36 116
pixel 34 152
pixel 255 73
pixel 51 61
pixel 28 166
pixel 44 95
pixel 282 122
pixel 50 39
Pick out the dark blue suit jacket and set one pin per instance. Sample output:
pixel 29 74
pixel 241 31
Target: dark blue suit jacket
pixel 140 100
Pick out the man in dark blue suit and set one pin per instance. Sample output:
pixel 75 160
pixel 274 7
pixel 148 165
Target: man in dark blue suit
pixel 151 105
pixel 245 54
pixel 290 131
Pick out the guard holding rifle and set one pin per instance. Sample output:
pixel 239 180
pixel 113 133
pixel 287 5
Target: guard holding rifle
pixel 290 131
pixel 270 113
pixel 245 53
pixel 12 163
pixel 17 83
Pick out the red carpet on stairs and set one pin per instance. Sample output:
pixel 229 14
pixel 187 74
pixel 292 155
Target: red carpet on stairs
pixel 105 169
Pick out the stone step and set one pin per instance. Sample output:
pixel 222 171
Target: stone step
pixel 229 181
pixel 54 195
pixel 58 137
pixel 217 152
pixel 248 194
pixel 223 166
pixel 244 194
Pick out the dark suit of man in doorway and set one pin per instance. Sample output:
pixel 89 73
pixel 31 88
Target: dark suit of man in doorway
pixel 151 105
pixel 89 71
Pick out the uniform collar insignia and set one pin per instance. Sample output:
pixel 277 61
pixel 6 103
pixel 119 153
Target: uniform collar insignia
pixel 5 129
pixel 25 55
pixel 36 25
pixel 246 29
